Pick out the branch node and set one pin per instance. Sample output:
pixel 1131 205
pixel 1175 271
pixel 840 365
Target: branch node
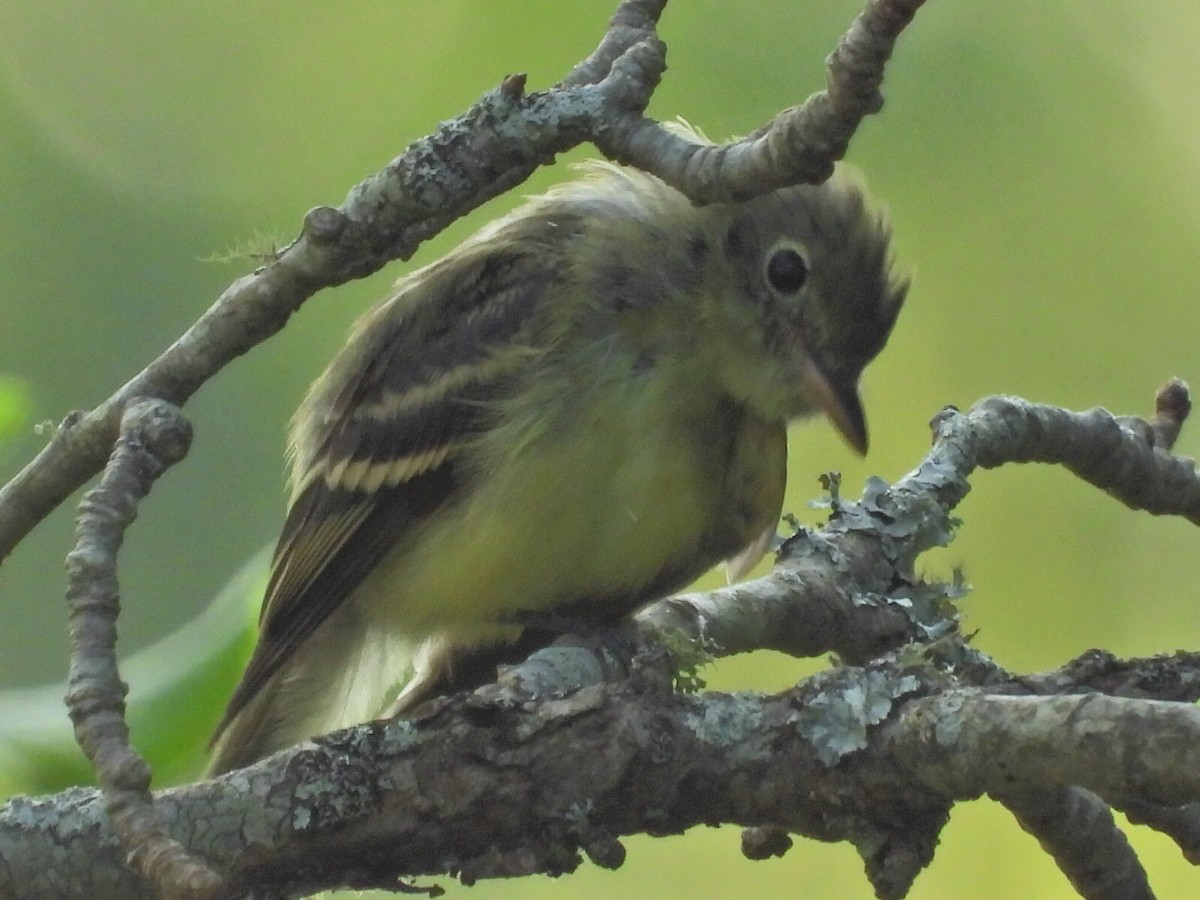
pixel 764 842
pixel 1172 406
pixel 513 86
pixel 604 850
pixel 160 429
pixel 324 224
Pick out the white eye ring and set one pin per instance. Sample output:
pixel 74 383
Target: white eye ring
pixel 786 268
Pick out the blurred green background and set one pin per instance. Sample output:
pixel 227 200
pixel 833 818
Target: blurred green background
pixel 1042 164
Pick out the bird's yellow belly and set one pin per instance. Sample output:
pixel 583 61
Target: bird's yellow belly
pixel 595 514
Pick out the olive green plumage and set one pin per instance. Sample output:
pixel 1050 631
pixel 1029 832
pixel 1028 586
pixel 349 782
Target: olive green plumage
pixel 579 410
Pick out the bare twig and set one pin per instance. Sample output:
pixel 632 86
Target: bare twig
pixel 800 145
pixel 1121 455
pixel 153 437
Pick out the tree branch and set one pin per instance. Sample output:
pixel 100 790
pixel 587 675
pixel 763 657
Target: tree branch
pixel 154 436
pixel 1077 829
pixel 484 785
pixel 1129 458
pixel 492 147
pixel 800 145
pixel 913 732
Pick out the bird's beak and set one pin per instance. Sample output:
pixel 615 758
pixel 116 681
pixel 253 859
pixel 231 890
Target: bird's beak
pixel 841 403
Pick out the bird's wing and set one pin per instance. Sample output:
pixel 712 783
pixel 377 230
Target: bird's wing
pixel 379 442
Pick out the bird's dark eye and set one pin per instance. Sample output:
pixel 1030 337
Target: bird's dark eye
pixel 786 270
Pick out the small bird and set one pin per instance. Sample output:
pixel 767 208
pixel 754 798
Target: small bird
pixel 576 412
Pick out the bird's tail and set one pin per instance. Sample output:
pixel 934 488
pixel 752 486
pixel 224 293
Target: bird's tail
pixel 333 681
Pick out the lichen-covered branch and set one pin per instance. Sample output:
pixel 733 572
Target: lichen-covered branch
pixel 851 588
pixel 914 731
pixel 486 151
pixel 874 752
pixel 490 785
pixel 934 725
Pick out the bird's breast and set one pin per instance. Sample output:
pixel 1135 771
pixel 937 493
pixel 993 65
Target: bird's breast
pixel 600 502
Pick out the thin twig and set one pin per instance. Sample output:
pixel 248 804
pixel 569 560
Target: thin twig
pixel 800 145
pixel 153 437
pixel 1122 456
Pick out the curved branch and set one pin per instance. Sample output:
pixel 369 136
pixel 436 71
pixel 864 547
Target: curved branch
pixel 633 22
pixel 154 436
pixel 1126 457
pixel 851 587
pixel 800 145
